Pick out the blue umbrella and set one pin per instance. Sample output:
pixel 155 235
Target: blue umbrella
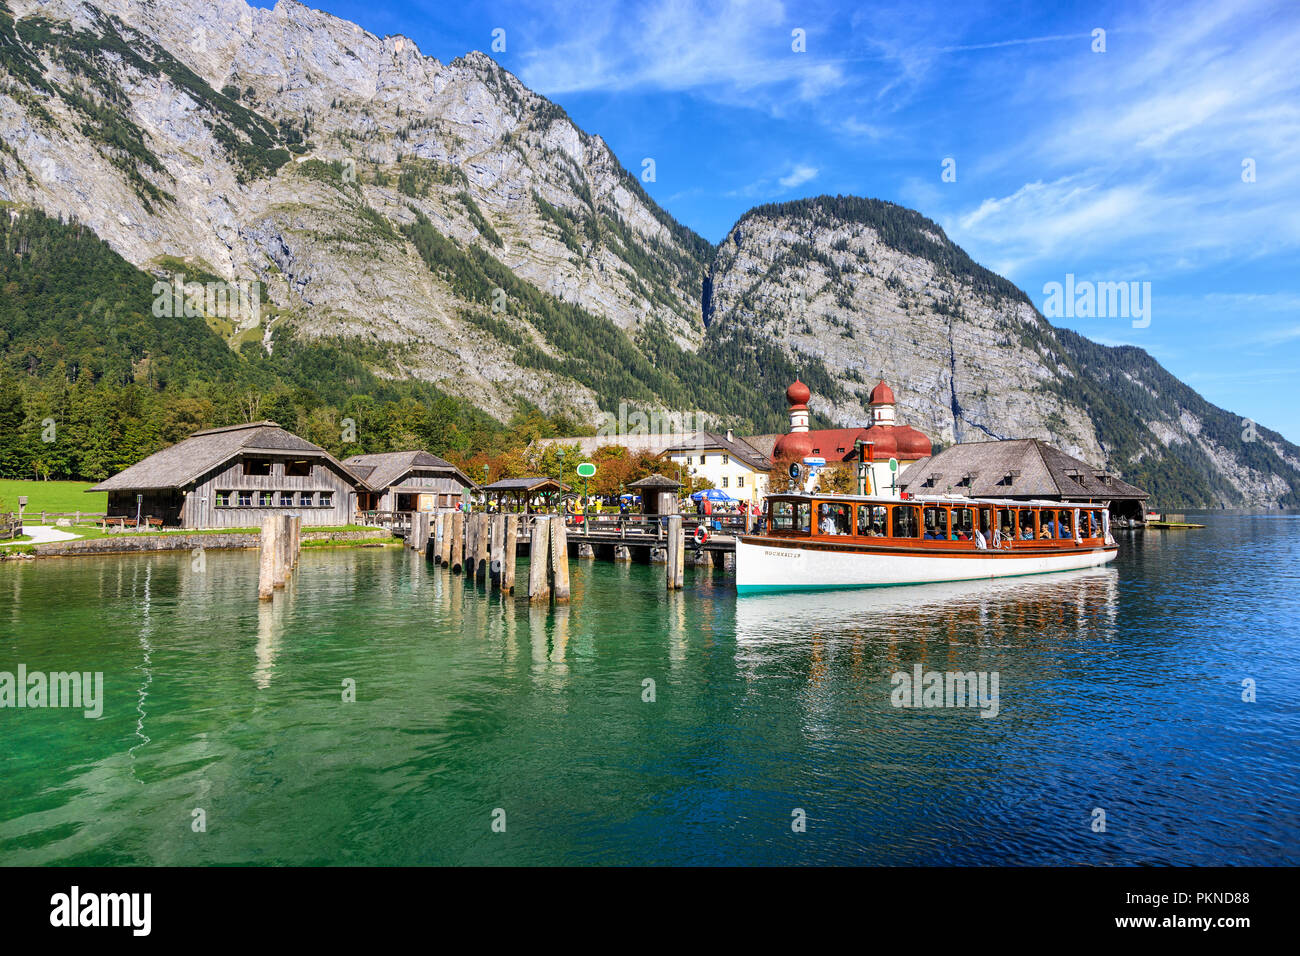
pixel 713 494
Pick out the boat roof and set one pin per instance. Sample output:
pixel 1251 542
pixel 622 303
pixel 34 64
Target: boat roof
pixel 943 499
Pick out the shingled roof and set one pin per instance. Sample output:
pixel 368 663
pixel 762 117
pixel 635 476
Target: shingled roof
pixel 384 469
pixel 1020 468
pixel 181 464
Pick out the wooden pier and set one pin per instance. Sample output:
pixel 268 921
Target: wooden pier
pixel 485 547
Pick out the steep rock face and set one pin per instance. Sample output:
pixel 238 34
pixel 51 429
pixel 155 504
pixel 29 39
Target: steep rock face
pixel 964 362
pixel 863 289
pixel 323 142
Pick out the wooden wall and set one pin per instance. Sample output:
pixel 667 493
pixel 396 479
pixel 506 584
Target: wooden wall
pixel 200 509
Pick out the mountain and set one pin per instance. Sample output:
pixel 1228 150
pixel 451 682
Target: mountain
pixel 449 236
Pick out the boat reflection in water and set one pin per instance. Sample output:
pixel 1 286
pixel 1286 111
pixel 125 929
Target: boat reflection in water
pixel 998 613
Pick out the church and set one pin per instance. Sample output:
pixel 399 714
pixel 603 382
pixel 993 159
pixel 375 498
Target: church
pixel 887 440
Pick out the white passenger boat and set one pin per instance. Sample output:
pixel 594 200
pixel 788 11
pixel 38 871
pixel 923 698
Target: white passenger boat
pixel 818 542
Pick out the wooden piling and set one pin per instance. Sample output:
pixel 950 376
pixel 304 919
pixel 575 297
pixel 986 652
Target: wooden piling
pixel 675 556
pixel 678 544
pixel 559 561
pixel 439 538
pixel 539 587
pixel 266 566
pixel 509 550
pixel 281 564
pixel 497 570
pixel 457 541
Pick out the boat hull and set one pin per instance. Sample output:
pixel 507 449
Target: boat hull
pixel 768 564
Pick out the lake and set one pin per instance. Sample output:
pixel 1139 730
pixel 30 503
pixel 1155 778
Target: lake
pixel 640 726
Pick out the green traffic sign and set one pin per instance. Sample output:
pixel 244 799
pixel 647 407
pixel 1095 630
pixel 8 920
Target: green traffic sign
pixel 586 470
pixel 893 464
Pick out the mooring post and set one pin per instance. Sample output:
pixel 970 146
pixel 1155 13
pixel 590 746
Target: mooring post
pixel 266 564
pixel 673 565
pixel 539 587
pixel 440 538
pixel 509 550
pixel 457 540
pixel 559 561
pixel 297 539
pixel 481 548
pixel 496 548
pixel 678 544
pixel 281 550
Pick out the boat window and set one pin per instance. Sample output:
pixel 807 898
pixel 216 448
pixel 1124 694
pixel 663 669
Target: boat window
pixel 1047 523
pixel 1026 529
pixel 871 521
pixel 905 522
pixel 832 518
pixel 1007 522
pixel 963 524
pixel 936 523
pixel 789 516
pixel 1093 524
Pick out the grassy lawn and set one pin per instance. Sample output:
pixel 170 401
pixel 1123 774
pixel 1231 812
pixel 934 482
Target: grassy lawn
pixel 50 496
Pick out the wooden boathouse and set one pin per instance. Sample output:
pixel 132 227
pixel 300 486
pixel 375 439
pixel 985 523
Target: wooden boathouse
pixel 235 477
pixel 407 481
pixel 1022 469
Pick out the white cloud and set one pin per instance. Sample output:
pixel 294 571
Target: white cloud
pixel 798 176
pixel 728 50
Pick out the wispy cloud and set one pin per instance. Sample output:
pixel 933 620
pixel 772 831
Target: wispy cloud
pixel 798 176
pixel 732 50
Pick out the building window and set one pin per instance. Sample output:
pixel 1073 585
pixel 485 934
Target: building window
pixel 297 469
pixel 327 499
pixel 257 466
pixel 245 499
pixel 740 482
pixel 304 499
pixel 264 499
pixel 689 460
pixel 223 499
pixel 286 499
pixel 726 459
pixel 724 481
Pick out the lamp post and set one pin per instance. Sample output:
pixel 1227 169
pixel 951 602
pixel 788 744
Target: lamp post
pixel 485 481
pixel 560 452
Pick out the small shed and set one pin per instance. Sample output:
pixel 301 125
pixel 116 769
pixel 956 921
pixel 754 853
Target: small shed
pixel 658 494
pixel 521 491
pixel 408 481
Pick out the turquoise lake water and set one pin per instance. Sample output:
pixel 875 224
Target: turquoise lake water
pixel 1118 689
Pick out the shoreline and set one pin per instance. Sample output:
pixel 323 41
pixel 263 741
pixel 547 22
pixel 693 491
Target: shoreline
pixel 207 541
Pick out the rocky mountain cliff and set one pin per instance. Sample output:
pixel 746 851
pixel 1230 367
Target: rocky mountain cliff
pixel 454 227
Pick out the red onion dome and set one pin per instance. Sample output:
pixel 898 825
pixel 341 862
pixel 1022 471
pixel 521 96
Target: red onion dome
pixel 885 442
pixel 882 394
pixel 912 443
pixel 798 393
pixel 794 446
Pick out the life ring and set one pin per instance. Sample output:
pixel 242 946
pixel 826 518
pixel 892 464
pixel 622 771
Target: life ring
pixel 701 534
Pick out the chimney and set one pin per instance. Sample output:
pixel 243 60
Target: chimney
pixel 729 437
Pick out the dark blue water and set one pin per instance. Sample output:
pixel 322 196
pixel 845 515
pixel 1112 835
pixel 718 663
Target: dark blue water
pixel 1119 690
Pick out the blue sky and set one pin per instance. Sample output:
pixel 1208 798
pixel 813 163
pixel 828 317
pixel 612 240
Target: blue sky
pixel 1119 166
